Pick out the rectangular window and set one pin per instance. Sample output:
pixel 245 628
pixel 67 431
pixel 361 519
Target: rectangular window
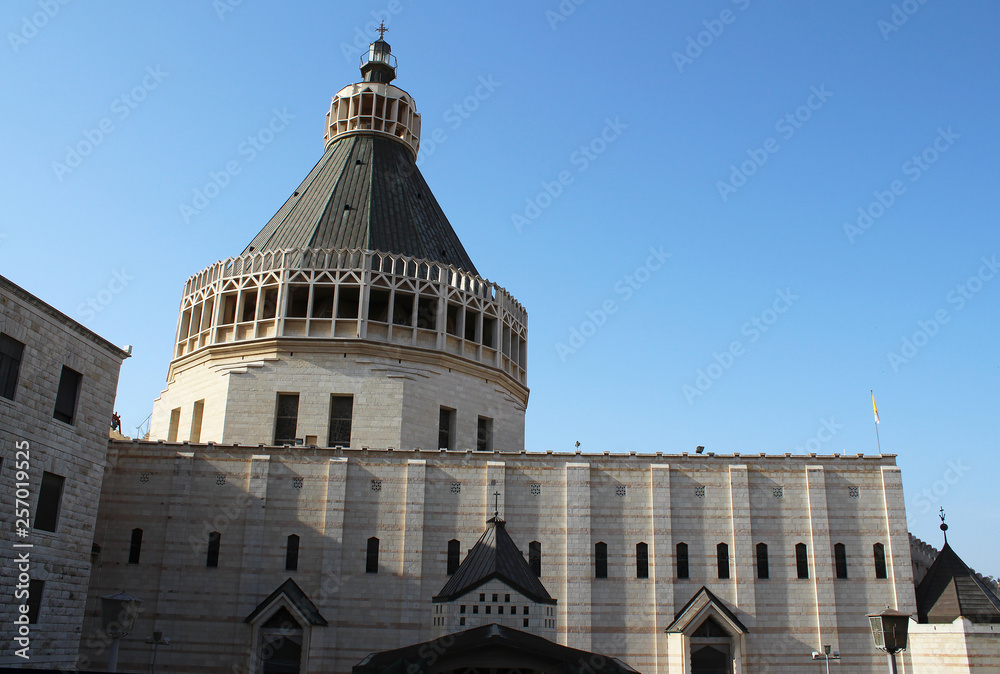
pixel 484 435
pixel 69 389
pixel 446 429
pixel 526 622
pixel 500 610
pixel 49 498
pixel 35 589
pixel 196 416
pixel 762 566
pixel 801 561
pixel 135 546
pixel 489 609
pixel 286 418
pixel 11 352
pixel 214 542
pixel 641 560
pixel 461 609
pixel 840 560
pixel 341 416
pixel 682 561
pixel 601 560
pixel 475 608
pixel 175 424
pixel 427 313
pixel 722 556
pixel 489 332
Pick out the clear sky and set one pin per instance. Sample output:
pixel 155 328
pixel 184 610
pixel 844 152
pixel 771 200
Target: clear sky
pixel 671 189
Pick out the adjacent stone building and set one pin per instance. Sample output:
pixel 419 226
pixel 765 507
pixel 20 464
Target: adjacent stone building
pixel 57 392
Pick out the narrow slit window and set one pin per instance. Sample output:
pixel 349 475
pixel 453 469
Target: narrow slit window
pixel 840 560
pixel 762 567
pixel 601 560
pixel 484 435
pixel 446 428
pixel 135 546
pixel 49 501
pixel 454 556
pixel 535 557
pixel 801 561
pixel 371 558
pixel 35 590
pixel 292 553
pixel 11 353
pixel 722 557
pixel 880 568
pixel 682 561
pixel 212 558
pixel 641 560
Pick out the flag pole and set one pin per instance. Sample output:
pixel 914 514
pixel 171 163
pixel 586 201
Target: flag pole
pixel 875 410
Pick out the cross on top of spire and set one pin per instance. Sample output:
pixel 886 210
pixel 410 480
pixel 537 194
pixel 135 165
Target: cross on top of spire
pixel 944 527
pixel 496 496
pixel 382 30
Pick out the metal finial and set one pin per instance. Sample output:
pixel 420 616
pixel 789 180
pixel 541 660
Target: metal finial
pixel 382 30
pixel 944 527
pixel 496 512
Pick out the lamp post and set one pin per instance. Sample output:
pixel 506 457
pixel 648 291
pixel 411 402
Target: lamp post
pixel 157 640
pixel 118 614
pixel 889 629
pixel 826 655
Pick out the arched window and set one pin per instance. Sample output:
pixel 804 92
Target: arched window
pixel 722 556
pixel 880 570
pixel 762 568
pixel 535 557
pixel 801 560
pixel 682 561
pixel 214 540
pixel 840 559
pixel 641 560
pixel 601 560
pixel 454 556
pixel 371 559
pixel 292 553
pixel 135 546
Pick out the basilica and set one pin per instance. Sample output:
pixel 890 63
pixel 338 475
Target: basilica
pixel 335 480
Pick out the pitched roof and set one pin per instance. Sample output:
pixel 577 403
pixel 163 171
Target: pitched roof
pixel 495 556
pixel 490 644
pixel 695 608
pixel 365 192
pixel 296 597
pixel 951 589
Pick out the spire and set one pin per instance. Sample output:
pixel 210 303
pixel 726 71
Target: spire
pixel 379 65
pixel 944 527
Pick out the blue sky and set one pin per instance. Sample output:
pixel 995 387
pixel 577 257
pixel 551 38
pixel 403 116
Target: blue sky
pixel 671 189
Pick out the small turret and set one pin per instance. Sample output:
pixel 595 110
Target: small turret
pixel 379 65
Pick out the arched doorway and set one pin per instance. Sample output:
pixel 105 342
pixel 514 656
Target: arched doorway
pixel 711 649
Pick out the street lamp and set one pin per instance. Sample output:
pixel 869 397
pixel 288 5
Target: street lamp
pixel 157 640
pixel 118 614
pixel 889 630
pixel 827 655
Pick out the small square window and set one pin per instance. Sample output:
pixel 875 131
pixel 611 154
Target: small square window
pixel 297 482
pixel 456 487
pixel 536 489
pixel 506 598
pixel 699 492
pixel 376 485
pixel 475 608
pixel 620 490
pixel 853 492
pixel 526 621
pixel 220 480
pixel 144 477
pixel 778 492
pixel 488 609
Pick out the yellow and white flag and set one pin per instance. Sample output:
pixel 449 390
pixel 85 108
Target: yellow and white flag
pixel 874 407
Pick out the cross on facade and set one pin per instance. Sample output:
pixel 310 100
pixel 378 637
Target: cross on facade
pixel 382 30
pixel 496 496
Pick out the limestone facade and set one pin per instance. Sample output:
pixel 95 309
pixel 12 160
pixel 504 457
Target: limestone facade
pixel 67 454
pixel 414 502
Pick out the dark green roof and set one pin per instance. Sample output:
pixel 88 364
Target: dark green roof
pixel 365 192
pixel 495 556
pixel 951 589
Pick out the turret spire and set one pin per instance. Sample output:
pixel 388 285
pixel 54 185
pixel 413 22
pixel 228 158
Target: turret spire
pixel 944 527
pixel 379 65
